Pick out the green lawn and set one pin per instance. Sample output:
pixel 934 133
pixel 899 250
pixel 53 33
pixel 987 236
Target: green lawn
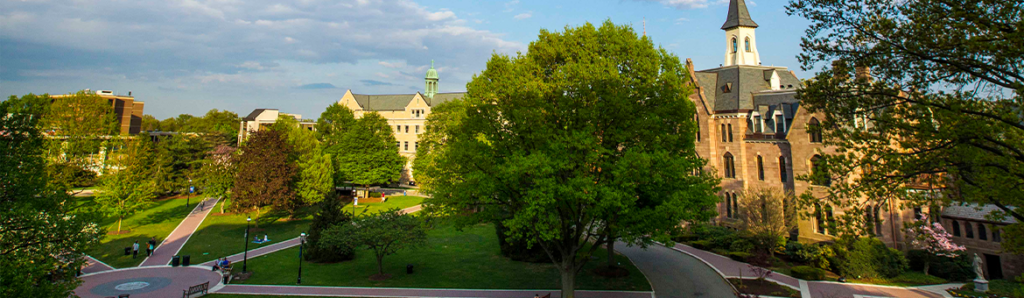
pixel 907 279
pixel 254 296
pixel 468 259
pixel 400 202
pixel 221 235
pixel 156 220
pixel 1000 287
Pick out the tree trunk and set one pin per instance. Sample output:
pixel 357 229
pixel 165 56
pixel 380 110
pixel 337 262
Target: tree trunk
pixel 611 253
pixel 257 224
pixel 222 206
pixel 119 225
pixel 926 265
pixel 568 280
pixel 380 264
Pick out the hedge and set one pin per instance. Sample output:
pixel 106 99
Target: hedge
pixel 807 272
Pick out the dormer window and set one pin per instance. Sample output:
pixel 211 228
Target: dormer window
pixel 727 88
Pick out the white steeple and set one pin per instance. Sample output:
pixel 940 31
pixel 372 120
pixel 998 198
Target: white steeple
pixel 740 42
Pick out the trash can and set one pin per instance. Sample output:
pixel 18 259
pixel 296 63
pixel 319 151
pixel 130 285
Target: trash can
pixel 175 260
pixel 185 260
pixel 128 250
pixel 408 269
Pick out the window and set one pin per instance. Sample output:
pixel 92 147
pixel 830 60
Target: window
pixel 406 146
pixel 818 174
pixel 831 220
pixel 697 120
pixel 735 45
pixel 406 129
pixel 757 124
pixel 782 169
pixel 818 220
pixel 398 128
pixel 918 214
pixel 814 130
pixel 878 220
pixel 730 170
pixel 728 205
pixel 723 133
pixel 415 145
pixel 398 144
pixel 981 232
pixel 996 237
pixel 760 168
pixel 956 228
pixel 747 44
pixel 780 125
pixel 730 132
pixel 869 220
pixel 417 129
pixel 735 205
pixel 968 230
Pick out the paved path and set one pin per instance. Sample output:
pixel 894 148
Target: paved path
pixel 236 259
pixel 410 292
pixel 673 274
pixel 144 282
pixel 173 243
pixel 412 209
pixel 93 265
pixel 731 269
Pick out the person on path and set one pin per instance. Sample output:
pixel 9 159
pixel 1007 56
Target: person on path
pixel 383 198
pixel 152 246
pixel 135 249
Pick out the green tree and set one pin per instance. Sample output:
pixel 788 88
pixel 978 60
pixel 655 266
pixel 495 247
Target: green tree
pixel 315 176
pixel 331 129
pixel 384 233
pixel 942 109
pixel 78 123
pixel 179 158
pixel 263 173
pixel 590 125
pixel 221 126
pixel 150 123
pixel 218 173
pixel 41 241
pixel 768 217
pixel 368 152
pixel 331 212
pixel 128 187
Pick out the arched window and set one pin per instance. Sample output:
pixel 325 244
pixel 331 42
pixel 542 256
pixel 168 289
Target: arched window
pixel 981 232
pixel 735 205
pixel 869 220
pixel 723 133
pixel 730 132
pixel 782 169
pixel 814 130
pixel 697 120
pixel 747 44
pixel 728 205
pixel 760 168
pixel 968 230
pixel 735 46
pixel 956 228
pixel 878 220
pixel 730 169
pixel 819 219
pixel 831 220
pixel 996 237
pixel 818 174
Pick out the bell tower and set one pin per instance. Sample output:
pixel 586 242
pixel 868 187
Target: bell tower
pixel 431 81
pixel 740 42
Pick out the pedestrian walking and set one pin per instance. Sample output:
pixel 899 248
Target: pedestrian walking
pixel 152 246
pixel 135 249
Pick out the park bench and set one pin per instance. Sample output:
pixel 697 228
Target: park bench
pixel 202 288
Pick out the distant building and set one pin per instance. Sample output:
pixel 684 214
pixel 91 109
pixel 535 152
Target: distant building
pixel 127 109
pixel 260 119
pixel 406 113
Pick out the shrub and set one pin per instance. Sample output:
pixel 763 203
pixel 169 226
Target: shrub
pixel 330 214
pixel 741 245
pixel 701 244
pixel 739 256
pixel 720 251
pixel 869 257
pixel 953 269
pixel 807 272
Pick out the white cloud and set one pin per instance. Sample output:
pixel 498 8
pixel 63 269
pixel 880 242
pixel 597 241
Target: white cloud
pixel 510 6
pixel 682 20
pixel 752 3
pixel 523 16
pixel 681 4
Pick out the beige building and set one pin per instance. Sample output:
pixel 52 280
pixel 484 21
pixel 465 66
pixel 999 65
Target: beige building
pixel 263 118
pixel 406 113
pixel 128 111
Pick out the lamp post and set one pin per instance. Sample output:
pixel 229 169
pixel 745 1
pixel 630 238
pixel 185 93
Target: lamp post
pixel 302 242
pixel 245 256
pixel 189 195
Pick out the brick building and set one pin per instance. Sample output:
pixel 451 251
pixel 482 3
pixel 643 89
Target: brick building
pixel 128 111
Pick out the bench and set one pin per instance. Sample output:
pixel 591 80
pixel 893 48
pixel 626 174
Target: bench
pixel 202 288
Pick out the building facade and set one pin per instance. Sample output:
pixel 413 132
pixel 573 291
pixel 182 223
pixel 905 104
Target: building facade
pixel 971 227
pixel 127 110
pixel 260 119
pixel 405 113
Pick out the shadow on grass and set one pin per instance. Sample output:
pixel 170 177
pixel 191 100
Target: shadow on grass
pixel 174 213
pixel 112 252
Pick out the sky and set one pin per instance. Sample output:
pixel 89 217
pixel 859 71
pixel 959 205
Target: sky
pixel 299 56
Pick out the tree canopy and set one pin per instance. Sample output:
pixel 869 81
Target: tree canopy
pixel 942 112
pixel 263 174
pixel 592 125
pixel 368 154
pixel 315 171
pixel 129 185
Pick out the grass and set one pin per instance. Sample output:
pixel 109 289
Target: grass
pixel 907 279
pixel 221 235
pixel 999 287
pixel 156 220
pixel 400 202
pixel 468 259
pixel 254 296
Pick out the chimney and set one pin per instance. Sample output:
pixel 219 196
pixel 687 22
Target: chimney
pixel 839 70
pixel 863 74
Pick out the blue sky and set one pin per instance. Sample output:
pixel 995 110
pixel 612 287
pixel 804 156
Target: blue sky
pixel 189 56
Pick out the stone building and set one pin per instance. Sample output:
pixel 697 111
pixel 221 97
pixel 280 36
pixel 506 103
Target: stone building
pixel 754 132
pixel 406 113
pixel 970 226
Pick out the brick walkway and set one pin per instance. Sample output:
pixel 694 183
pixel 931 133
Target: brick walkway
pixel 409 292
pixel 93 265
pixel 732 269
pixel 173 243
pixel 159 281
pixel 236 259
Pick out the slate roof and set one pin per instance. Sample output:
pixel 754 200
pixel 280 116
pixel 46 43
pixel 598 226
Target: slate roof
pixel 973 211
pixel 748 86
pixel 398 102
pixel 738 16
pixel 255 113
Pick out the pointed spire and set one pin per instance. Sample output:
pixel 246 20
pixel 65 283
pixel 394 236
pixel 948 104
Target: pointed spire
pixel 645 26
pixel 738 16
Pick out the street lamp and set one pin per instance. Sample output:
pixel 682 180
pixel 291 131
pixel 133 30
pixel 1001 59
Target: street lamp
pixel 302 242
pixel 245 256
pixel 189 195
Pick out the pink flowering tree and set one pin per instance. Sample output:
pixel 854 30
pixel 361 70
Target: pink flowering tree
pixel 934 239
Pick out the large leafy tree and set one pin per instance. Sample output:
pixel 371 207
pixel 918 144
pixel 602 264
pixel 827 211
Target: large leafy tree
pixel 41 241
pixel 315 176
pixel 943 108
pixel 592 126
pixel 79 124
pixel 128 186
pixel 368 152
pixel 179 158
pixel 264 174
pixel 217 176
pixel 331 129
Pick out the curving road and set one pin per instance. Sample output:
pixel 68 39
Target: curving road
pixel 676 275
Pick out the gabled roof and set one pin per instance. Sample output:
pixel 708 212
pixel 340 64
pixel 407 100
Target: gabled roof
pixel 256 113
pixel 398 102
pixel 738 16
pixel 974 211
pixel 745 83
pixel 444 97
